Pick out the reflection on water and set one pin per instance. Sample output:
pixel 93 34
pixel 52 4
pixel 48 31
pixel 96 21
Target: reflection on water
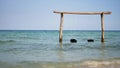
pixel 102 51
pixel 60 45
pixel 61 55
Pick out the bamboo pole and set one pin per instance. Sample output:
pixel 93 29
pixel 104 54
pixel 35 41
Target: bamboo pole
pixel 61 26
pixel 102 27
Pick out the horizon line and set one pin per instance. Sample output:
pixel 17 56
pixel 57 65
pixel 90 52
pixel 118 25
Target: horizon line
pixel 58 30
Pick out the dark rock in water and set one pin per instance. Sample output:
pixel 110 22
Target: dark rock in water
pixel 73 40
pixel 90 40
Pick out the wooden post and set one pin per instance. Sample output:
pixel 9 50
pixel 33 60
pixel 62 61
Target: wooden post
pixel 61 26
pixel 102 27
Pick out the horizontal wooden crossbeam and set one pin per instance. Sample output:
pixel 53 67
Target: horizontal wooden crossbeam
pixel 82 13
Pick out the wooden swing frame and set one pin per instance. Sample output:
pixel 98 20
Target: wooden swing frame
pixel 82 13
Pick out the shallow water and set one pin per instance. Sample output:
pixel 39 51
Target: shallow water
pixel 41 49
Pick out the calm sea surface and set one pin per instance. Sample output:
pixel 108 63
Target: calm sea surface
pixel 41 49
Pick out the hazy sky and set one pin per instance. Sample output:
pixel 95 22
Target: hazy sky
pixel 38 14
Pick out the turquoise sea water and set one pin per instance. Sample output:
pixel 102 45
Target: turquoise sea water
pixel 41 49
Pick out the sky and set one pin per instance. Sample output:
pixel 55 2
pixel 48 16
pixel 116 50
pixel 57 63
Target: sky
pixel 38 14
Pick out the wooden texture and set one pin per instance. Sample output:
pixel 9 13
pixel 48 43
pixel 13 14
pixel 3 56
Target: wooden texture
pixel 61 26
pixel 82 13
pixel 102 27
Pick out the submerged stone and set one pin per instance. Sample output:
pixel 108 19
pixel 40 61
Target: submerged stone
pixel 90 40
pixel 73 40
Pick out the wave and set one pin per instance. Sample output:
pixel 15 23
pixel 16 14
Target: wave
pixel 7 41
pixel 83 64
pixel 98 63
pixel 34 38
